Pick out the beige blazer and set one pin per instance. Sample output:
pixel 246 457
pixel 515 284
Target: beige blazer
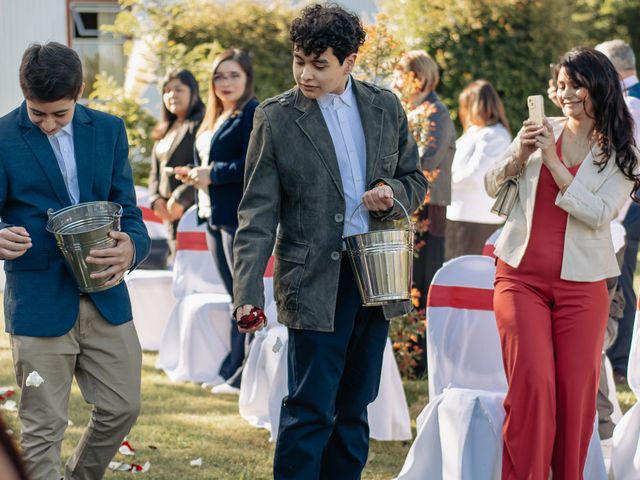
pixel 592 201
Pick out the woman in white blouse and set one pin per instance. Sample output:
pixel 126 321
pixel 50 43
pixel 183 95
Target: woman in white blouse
pixel 486 137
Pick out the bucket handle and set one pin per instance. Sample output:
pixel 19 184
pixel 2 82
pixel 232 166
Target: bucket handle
pixel 395 200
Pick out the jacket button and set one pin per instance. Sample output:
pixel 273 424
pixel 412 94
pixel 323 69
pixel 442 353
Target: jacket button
pixel 338 217
pixel 335 256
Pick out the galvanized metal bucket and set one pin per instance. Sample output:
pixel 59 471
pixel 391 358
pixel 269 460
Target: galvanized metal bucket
pixel 78 230
pixel 382 262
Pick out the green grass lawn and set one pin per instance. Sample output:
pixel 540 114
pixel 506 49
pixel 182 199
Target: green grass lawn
pixel 182 422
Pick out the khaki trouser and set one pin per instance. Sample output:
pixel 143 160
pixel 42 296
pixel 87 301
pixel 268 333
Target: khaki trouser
pixel 106 360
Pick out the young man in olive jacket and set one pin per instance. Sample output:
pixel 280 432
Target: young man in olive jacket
pixel 317 152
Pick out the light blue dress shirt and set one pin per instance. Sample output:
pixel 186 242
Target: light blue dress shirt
pixel 342 117
pixel 62 145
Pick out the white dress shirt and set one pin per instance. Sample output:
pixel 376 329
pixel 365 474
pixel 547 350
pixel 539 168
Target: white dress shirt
pixel 342 117
pixel 476 151
pixel 62 145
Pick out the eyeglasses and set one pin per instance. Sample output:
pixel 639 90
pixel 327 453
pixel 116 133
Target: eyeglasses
pixel 219 78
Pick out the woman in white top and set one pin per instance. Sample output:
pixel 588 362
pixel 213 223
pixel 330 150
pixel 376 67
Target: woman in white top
pixel 486 137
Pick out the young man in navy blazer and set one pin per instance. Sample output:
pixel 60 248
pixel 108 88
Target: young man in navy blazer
pixel 55 153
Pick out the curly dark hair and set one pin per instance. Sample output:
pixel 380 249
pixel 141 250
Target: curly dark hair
pixel 591 69
pixel 321 26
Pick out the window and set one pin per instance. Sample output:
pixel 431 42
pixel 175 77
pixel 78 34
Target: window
pixel 100 52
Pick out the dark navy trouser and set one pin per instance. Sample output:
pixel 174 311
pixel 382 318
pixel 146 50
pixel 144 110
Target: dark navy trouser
pixel 332 376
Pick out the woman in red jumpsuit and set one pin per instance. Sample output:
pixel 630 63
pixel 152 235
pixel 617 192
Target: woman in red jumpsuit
pixel 554 254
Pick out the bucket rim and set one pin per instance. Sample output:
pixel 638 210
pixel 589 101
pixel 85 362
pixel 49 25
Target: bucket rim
pixel 408 229
pixel 52 215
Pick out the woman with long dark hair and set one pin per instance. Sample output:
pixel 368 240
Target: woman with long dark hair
pixel 221 148
pixel 554 254
pixel 174 135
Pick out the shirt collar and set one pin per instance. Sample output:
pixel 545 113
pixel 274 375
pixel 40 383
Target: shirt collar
pixel 629 82
pixel 347 97
pixel 66 130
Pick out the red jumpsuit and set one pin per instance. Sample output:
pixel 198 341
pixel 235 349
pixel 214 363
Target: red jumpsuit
pixel 552 333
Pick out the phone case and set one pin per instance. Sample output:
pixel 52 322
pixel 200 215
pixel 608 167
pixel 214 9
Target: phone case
pixel 536 108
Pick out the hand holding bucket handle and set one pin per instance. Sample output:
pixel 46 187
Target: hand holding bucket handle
pixel 395 200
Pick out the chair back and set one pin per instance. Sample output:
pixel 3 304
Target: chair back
pixel 154 224
pixel 463 346
pixel 194 270
pixel 489 245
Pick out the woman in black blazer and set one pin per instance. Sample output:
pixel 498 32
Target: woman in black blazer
pixel 182 112
pixel 220 150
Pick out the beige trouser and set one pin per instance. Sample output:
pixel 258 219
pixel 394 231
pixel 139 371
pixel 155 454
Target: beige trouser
pixel 106 360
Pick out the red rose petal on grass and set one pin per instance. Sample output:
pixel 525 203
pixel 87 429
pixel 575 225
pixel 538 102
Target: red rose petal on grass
pixel 126 449
pixel 6 392
pixel 129 467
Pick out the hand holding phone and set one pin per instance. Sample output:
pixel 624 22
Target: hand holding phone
pixel 536 108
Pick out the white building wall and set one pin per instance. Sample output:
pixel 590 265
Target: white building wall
pixel 23 22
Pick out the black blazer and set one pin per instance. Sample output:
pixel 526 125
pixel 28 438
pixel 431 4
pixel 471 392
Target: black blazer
pixel 226 158
pixel 164 185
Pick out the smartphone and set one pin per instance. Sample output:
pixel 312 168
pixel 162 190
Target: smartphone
pixel 536 108
pixel 168 170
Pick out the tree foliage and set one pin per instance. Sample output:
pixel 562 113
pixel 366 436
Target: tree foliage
pixel 190 33
pixel 508 42
pixel 109 97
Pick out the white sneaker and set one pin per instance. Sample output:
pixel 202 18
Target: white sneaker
pixel 225 389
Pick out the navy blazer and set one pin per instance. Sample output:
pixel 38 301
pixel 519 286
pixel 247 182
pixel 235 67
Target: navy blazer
pixel 226 157
pixel 41 297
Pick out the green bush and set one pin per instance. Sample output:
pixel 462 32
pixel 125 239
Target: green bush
pixel 109 97
pixel 508 42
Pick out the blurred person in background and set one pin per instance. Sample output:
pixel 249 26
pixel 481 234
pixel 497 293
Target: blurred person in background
pixel 415 80
pixel 182 112
pixel 554 256
pixel 221 148
pixel 624 61
pixel 486 137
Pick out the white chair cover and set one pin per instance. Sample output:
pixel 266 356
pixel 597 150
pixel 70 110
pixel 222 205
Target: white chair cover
pixel 197 338
pixel 154 224
pixel 3 278
pixel 459 432
pixel 152 301
pixel 625 455
pixel 193 269
pixel 150 290
pixel 264 385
